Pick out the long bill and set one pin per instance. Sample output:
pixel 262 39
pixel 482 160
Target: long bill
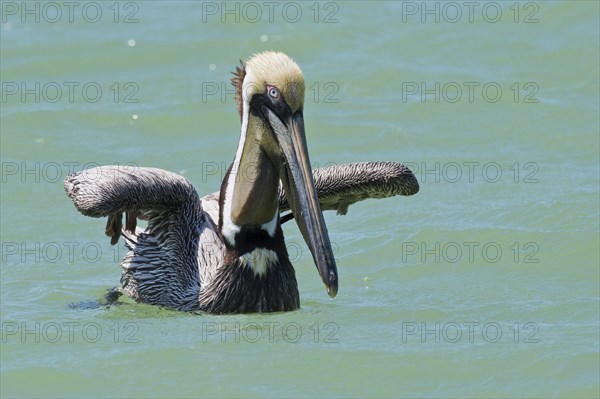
pixel 302 195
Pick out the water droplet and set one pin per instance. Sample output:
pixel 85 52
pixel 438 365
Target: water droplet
pixel 134 116
pixel 264 38
pixel 212 67
pixel 131 42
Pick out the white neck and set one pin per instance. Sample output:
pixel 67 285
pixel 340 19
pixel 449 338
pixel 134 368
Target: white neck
pixel 229 228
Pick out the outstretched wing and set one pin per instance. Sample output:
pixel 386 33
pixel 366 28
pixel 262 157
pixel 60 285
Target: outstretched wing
pixel 340 186
pixel 162 265
pixel 114 190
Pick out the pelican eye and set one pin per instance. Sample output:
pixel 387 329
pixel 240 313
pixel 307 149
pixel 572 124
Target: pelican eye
pixel 273 92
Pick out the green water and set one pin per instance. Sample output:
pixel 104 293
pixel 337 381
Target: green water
pixel 484 284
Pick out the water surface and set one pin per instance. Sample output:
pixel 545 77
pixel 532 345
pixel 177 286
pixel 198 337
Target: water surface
pixel 484 284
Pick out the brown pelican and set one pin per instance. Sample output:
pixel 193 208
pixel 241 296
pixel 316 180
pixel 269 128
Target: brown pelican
pixel 225 252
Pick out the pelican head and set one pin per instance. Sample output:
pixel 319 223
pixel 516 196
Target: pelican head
pixel 272 148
